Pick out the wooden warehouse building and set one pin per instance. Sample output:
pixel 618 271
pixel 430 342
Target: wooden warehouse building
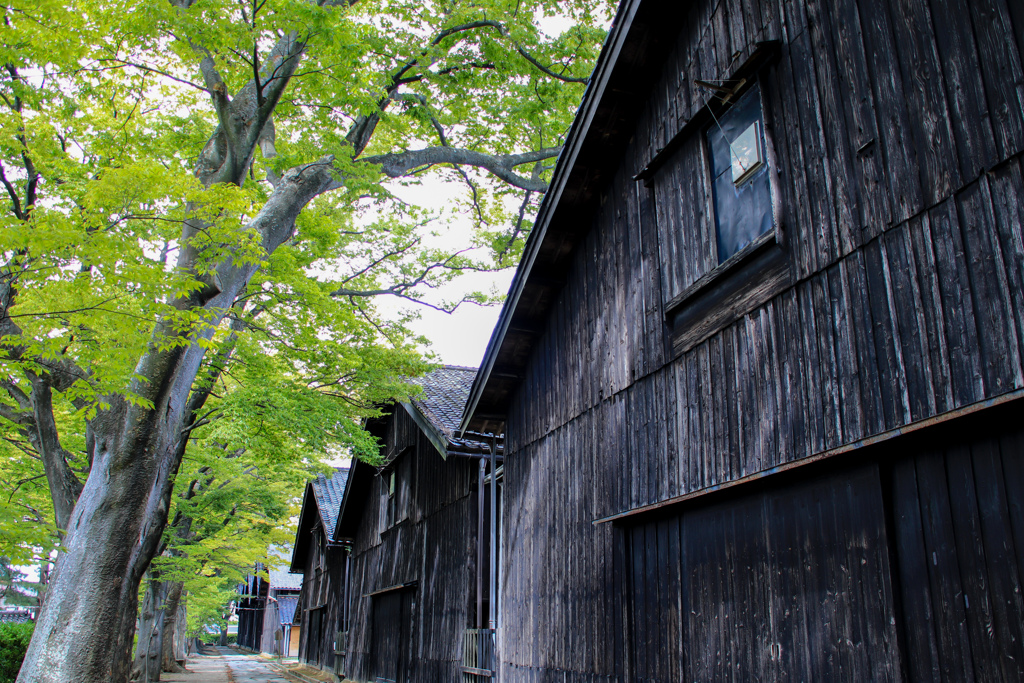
pixel 266 608
pixel 418 531
pixel 321 561
pixel 760 372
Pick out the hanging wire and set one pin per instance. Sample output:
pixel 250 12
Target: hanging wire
pixel 724 98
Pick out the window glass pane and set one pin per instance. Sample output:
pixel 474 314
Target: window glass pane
pixel 742 194
pixel 745 153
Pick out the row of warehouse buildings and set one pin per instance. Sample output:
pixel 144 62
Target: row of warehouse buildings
pixel 753 408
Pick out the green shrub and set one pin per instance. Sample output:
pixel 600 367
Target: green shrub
pixel 13 643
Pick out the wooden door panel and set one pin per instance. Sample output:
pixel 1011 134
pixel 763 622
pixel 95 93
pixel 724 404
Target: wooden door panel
pixel 792 583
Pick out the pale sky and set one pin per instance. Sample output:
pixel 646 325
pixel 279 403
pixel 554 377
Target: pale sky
pixel 459 338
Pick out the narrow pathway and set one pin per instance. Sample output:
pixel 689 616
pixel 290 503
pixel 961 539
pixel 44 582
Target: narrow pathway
pixel 224 665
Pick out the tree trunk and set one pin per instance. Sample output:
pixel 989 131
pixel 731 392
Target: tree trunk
pixel 223 636
pixel 174 629
pixel 149 648
pixel 85 629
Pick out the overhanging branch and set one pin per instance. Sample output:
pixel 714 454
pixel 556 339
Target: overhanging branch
pixel 501 165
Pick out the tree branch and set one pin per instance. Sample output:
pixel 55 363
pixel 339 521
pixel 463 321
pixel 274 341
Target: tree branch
pixel 64 485
pixel 13 194
pixel 501 165
pixel 533 60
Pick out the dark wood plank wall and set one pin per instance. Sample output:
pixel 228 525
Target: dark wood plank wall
pixel 320 601
pixel 434 547
pixel 789 582
pixel 904 562
pixel 898 132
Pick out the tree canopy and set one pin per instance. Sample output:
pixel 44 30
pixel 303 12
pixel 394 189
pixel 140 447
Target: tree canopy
pixel 204 205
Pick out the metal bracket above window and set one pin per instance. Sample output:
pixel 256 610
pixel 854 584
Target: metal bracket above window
pixel 764 54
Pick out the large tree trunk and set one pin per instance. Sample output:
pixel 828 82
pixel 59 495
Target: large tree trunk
pixel 149 647
pixel 158 619
pixel 174 630
pixel 85 628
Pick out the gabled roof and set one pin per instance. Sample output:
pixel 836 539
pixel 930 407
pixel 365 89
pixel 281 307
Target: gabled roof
pixel 281 579
pixel 286 609
pixel 641 35
pixel 437 411
pixel 320 502
pixel 445 391
pixel 328 494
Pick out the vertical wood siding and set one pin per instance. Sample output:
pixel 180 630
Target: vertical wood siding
pixel 897 314
pixel 320 602
pixel 899 130
pixel 788 583
pixel 434 547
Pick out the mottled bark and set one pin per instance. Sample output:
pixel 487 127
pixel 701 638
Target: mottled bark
pixel 85 632
pixel 174 629
pixel 149 646
pixel 158 621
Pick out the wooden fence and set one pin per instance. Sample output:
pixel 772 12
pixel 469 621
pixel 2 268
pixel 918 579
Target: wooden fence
pixel 477 655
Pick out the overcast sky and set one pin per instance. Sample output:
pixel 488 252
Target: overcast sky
pixel 458 338
pixel 461 338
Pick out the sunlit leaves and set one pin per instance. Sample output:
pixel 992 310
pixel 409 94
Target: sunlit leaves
pixel 113 244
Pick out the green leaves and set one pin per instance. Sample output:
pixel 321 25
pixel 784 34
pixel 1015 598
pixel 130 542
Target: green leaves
pixel 134 193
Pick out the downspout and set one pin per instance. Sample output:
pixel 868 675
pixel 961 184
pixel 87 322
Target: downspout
pixel 493 595
pixel 348 589
pixel 480 544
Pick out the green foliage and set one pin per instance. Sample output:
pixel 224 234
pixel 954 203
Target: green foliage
pixel 105 124
pixel 13 643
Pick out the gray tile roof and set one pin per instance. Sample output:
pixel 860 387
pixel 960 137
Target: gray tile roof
pixel 445 391
pixel 286 609
pixel 329 493
pixel 443 400
pixel 282 579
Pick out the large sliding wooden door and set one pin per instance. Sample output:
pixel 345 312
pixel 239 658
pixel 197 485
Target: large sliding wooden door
pixel 909 566
pixel 392 625
pixel 958 511
pixel 790 583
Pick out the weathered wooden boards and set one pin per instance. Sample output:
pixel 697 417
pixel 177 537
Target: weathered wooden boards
pixel 320 598
pixel 426 540
pixel 898 129
pixel 780 584
pixel 901 309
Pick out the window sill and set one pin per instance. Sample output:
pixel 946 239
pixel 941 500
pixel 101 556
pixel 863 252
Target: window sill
pixel 720 271
pixel 394 527
pixel 728 292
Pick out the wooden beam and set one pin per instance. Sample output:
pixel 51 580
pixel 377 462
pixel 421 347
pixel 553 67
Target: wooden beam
pixel 817 457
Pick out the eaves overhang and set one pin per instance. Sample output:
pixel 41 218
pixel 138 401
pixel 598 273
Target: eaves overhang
pixel 630 60
pixel 307 518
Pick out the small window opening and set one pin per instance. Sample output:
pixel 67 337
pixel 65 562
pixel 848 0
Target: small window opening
pixel 739 175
